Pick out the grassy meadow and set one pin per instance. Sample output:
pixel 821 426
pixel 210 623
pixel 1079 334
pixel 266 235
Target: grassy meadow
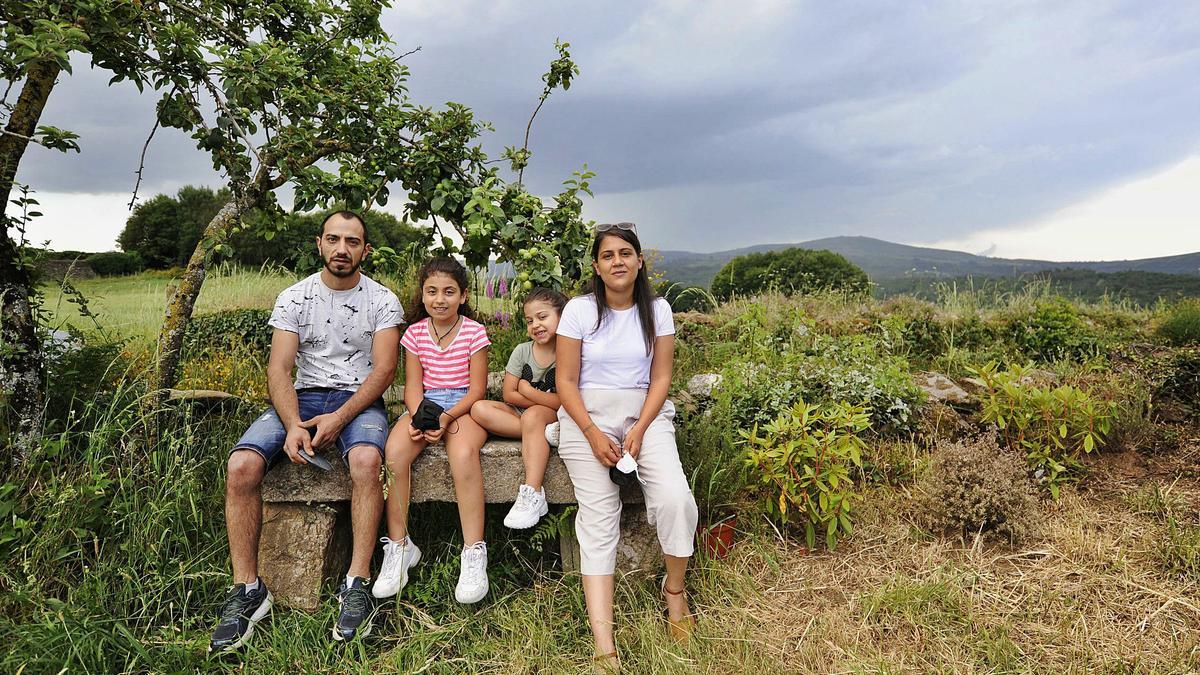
pixel 118 561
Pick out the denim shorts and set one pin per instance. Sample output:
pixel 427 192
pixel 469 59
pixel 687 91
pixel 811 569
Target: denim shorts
pixel 447 398
pixel 266 435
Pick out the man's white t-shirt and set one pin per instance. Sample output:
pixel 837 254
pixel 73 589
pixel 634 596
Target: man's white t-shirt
pixel 614 355
pixel 336 329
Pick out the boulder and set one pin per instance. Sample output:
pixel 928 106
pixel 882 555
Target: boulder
pixel 1040 378
pixel 937 421
pixel 943 389
pixel 302 545
pixel 700 387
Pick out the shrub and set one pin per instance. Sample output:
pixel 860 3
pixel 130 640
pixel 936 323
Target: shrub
pixel 85 368
pixel 1182 325
pixel 913 327
pixel 792 270
pixel 1053 330
pixel 227 329
pixel 1179 379
pixel 1052 426
pixel 115 263
pixel 712 462
pixel 777 359
pixel 977 487
pixel 803 461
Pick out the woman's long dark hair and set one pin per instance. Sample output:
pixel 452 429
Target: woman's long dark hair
pixel 643 292
pixel 451 268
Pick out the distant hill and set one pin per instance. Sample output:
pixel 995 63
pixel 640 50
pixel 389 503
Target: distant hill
pixel 886 260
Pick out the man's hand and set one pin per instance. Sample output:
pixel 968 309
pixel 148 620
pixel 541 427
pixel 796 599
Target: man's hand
pixel 297 438
pixel 328 427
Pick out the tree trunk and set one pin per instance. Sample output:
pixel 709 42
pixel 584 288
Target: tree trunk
pixel 179 308
pixel 20 353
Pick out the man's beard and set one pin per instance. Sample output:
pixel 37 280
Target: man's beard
pixel 343 273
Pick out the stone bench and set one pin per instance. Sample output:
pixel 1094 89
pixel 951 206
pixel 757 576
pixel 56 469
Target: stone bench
pixel 306 516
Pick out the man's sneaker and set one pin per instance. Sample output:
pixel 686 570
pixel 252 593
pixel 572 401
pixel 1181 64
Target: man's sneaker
pixel 242 609
pixel 528 509
pixel 552 430
pixel 472 577
pixel 355 615
pixel 398 558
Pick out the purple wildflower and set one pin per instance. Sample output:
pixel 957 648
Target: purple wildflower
pixel 488 290
pixel 503 290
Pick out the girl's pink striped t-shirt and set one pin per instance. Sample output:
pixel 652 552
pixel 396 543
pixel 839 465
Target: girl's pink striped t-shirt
pixel 448 368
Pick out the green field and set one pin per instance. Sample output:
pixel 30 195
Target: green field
pixel 133 306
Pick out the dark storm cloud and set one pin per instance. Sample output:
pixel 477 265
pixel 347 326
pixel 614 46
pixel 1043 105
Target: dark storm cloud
pixel 728 124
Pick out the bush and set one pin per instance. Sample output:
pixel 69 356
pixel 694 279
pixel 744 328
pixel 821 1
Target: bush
pixel 803 461
pixel 115 263
pixel 229 329
pixel 792 270
pixel 770 360
pixel 83 369
pixel 1053 330
pixel 1054 427
pixel 1179 379
pixel 977 487
pixel 1182 325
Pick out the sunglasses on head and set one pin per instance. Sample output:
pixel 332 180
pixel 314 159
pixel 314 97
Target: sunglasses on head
pixel 605 227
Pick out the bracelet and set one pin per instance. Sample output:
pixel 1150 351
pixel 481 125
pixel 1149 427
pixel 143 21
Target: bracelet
pixel 589 428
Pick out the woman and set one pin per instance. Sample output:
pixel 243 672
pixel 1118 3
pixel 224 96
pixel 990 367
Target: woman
pixel 616 346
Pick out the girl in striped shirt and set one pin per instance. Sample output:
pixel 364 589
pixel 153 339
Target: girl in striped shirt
pixel 445 362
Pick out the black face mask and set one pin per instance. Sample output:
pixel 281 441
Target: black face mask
pixel 625 480
pixel 428 416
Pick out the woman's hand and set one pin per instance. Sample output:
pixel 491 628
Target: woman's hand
pixel 605 449
pixel 633 440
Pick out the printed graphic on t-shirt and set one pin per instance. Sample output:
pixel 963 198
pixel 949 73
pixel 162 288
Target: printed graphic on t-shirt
pixel 336 329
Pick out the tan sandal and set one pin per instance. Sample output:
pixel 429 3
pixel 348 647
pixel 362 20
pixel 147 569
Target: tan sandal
pixel 606 664
pixel 680 631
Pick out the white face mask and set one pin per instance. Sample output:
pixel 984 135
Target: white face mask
pixel 629 465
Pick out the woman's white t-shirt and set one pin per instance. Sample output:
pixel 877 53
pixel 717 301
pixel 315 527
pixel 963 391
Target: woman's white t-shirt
pixel 614 355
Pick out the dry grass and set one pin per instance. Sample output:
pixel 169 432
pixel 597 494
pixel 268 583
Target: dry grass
pixel 1091 595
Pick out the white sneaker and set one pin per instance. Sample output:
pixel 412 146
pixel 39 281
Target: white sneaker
pixel 528 509
pixel 472 576
pixel 398 558
pixel 552 434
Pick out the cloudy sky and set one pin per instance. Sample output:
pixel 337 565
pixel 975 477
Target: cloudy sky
pixel 1057 130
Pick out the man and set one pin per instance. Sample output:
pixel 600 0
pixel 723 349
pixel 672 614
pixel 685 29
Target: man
pixel 340 330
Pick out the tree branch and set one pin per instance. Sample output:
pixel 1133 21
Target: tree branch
pixel 528 127
pixel 142 163
pixel 407 53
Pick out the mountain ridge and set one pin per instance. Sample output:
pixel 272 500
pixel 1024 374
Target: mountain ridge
pixel 882 259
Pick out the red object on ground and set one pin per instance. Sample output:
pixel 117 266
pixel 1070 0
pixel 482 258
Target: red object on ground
pixel 718 539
